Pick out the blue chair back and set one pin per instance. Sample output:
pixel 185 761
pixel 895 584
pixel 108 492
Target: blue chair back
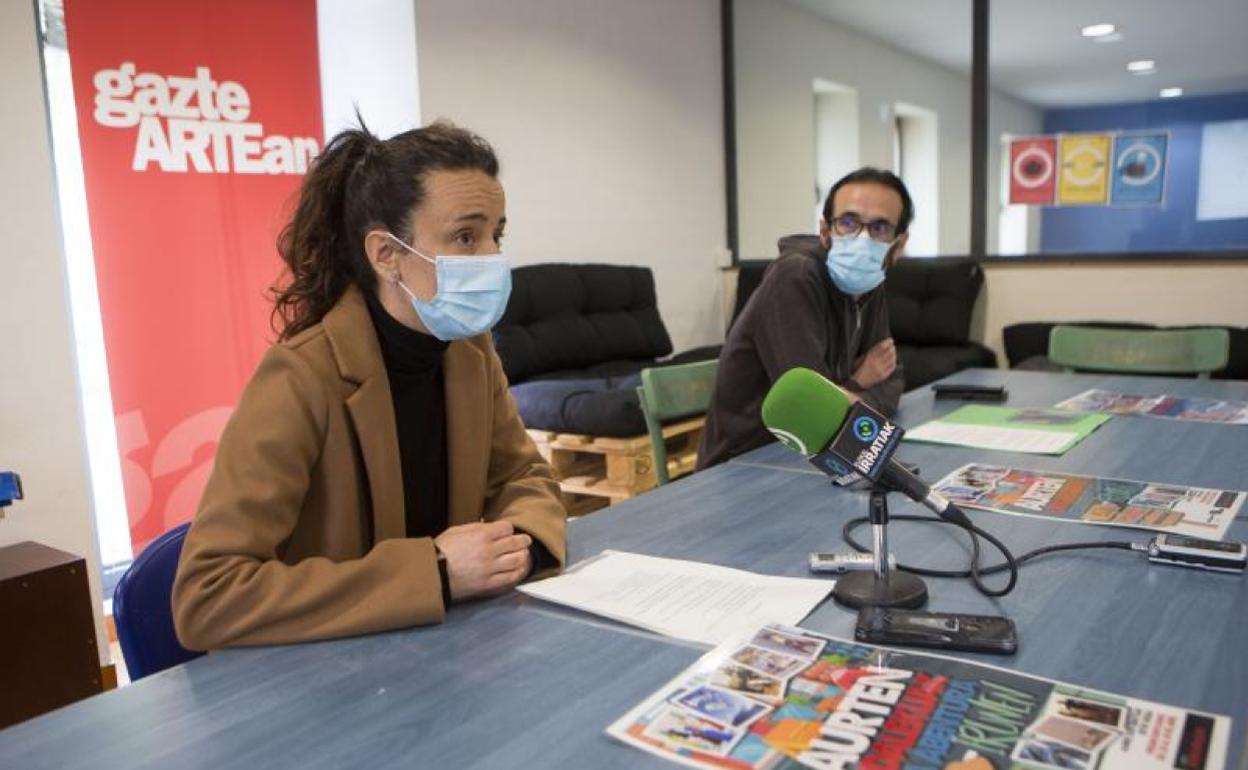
pixel 143 610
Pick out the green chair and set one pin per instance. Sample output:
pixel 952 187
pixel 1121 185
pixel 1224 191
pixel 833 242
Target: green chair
pixel 666 394
pixel 1151 351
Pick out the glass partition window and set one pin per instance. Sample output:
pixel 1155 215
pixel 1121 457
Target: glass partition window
pixel 1113 128
pixel 823 87
pixel 1124 129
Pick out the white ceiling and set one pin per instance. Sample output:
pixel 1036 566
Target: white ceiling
pixel 1037 54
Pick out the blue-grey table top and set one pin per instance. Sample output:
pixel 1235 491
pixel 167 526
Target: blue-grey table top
pixel 515 682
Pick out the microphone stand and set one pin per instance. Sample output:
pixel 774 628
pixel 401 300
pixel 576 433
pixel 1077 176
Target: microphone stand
pixel 881 587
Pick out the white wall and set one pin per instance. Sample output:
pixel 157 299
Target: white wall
pixel 1163 293
pixel 608 119
pixel 780 50
pixel 367 51
pixel 41 429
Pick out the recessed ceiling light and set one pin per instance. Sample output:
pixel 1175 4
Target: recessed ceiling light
pixel 1170 93
pixel 1142 66
pixel 1098 30
pixel 1110 38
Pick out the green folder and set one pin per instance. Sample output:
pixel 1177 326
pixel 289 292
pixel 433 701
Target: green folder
pixel 1001 428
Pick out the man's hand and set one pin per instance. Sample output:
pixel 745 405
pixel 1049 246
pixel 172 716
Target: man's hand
pixel 484 558
pixel 877 365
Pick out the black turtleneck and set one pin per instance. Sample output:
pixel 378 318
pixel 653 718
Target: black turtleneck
pixel 414 367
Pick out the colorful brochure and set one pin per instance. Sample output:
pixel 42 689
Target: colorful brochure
pixel 1170 407
pixel 1035 431
pixel 788 698
pixel 1194 511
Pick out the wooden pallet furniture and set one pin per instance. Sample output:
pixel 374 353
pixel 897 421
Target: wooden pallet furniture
pixel 598 471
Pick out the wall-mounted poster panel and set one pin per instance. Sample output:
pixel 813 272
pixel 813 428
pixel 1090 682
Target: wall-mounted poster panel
pixel 1086 171
pixel 1084 160
pixel 196 120
pixel 1166 212
pixel 1139 173
pixel 1033 170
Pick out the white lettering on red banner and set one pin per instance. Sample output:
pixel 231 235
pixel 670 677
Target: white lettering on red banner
pixel 194 123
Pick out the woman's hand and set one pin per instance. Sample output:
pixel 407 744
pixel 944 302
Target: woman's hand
pixel 484 558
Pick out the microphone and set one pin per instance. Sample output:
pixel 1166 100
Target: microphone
pixel 812 415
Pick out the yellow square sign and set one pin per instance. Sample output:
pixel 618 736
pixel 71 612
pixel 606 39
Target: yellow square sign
pixel 1084 164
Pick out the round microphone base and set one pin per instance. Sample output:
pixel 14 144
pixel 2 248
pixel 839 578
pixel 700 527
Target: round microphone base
pixel 864 589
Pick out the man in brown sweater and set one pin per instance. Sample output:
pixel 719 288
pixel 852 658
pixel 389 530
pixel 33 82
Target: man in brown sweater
pixel 821 305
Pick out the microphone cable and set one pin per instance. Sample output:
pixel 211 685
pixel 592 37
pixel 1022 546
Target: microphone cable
pixel 975 572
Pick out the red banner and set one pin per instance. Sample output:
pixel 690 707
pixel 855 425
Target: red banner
pixel 1033 170
pixel 197 119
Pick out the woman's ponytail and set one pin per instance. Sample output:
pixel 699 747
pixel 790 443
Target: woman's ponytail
pixel 313 243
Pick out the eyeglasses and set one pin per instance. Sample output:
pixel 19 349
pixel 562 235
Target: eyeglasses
pixel 877 229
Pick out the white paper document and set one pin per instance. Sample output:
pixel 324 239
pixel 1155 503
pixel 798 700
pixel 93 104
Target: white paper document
pixel 994 437
pixel 683 599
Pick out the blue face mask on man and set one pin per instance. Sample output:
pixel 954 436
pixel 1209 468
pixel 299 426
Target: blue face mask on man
pixel 471 296
pixel 856 263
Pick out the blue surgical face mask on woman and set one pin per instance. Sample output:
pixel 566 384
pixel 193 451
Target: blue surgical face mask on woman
pixel 471 296
pixel 856 263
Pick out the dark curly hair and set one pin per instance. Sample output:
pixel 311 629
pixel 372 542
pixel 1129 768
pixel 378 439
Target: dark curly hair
pixel 360 183
pixel 870 175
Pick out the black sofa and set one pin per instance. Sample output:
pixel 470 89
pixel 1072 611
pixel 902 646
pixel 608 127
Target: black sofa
pixel 1027 344
pixel 573 342
pixel 930 303
pixel 575 337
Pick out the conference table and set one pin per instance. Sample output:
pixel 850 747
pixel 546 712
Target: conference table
pixel 517 682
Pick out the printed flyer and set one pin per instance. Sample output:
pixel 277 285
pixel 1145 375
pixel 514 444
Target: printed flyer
pixel 1171 407
pixel 1194 511
pixel 785 697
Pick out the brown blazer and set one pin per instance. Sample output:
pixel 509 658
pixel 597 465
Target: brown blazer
pixel 300 532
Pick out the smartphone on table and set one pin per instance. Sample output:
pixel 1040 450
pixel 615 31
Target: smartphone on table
pixel 968 392
pixel 940 630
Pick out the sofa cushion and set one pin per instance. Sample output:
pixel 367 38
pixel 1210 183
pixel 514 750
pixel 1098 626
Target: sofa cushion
pixel 603 406
pixel 602 371
pixel 565 317
pixel 930 301
pixel 599 400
